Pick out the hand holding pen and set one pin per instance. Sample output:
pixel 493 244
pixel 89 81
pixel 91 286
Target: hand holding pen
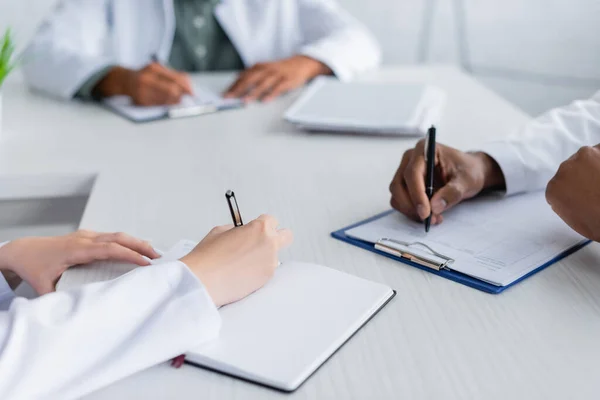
pixel 426 186
pixel 234 261
pixel 153 85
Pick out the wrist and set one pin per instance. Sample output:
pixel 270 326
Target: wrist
pixel 493 178
pixel 314 67
pixel 116 82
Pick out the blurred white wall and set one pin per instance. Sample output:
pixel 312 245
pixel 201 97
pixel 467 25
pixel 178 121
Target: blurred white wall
pixel 536 53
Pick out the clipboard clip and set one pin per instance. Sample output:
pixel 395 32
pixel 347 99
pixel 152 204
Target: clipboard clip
pixel 416 252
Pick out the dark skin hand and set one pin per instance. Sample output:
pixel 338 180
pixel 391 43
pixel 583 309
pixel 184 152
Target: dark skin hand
pixel 574 193
pixel 267 81
pixel 458 176
pixel 153 85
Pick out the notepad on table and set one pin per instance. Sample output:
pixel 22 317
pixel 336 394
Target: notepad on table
pixel 202 102
pixel 370 108
pixel 279 335
pixel 488 243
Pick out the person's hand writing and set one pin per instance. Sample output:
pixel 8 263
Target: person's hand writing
pixel 152 85
pixel 458 176
pixel 40 261
pixel 266 81
pixel 233 263
pixel 574 193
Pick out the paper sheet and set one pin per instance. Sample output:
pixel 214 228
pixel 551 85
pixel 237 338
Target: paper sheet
pixel 108 270
pixel 492 238
pixel 124 106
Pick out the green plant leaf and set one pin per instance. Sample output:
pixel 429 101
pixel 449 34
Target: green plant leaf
pixel 7 55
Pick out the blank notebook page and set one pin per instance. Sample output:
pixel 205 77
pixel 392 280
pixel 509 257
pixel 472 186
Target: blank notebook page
pixel 279 335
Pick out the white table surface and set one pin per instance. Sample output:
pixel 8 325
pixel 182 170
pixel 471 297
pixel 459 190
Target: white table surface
pixel 437 339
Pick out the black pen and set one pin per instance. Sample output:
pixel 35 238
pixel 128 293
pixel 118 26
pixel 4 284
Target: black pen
pixel 430 160
pixel 234 209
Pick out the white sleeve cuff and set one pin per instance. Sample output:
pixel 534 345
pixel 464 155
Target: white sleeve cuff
pixel 205 313
pixel 509 160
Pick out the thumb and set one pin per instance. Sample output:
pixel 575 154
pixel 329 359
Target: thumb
pixel 448 196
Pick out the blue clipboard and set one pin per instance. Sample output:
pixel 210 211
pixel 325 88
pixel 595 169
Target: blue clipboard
pixel 448 274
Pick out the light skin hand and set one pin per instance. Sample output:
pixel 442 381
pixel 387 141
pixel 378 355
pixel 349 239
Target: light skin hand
pixel 41 261
pixel 233 263
pixel 267 81
pixel 574 194
pixel 152 85
pixel 458 176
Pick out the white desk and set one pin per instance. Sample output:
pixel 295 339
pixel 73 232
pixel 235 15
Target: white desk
pixel 437 339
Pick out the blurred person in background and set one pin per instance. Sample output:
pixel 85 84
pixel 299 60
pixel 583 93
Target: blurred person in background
pixel 532 159
pixel 143 49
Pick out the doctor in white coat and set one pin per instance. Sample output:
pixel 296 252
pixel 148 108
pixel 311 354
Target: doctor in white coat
pixel 106 47
pixel 66 344
pixel 527 161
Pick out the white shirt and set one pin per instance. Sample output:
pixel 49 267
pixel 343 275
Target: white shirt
pixel 531 157
pixel 66 344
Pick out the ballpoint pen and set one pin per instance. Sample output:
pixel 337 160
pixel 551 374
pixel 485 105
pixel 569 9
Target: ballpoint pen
pixel 430 160
pixel 236 216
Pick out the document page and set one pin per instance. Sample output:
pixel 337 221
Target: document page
pixel 125 107
pixel 107 270
pixel 493 238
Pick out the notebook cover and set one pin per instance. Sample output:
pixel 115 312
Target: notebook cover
pixel 451 275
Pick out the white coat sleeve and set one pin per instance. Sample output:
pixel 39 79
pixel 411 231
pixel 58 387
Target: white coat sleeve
pixel 66 344
pixel 530 158
pixel 69 47
pixel 335 38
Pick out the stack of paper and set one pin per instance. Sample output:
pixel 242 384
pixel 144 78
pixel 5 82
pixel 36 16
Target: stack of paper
pixel 362 107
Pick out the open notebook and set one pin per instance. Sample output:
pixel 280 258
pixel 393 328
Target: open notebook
pixel 488 243
pixel 367 107
pixel 203 102
pixel 281 334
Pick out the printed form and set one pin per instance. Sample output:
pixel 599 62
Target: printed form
pixel 493 238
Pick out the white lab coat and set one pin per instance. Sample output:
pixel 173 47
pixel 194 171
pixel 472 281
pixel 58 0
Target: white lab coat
pixel 531 157
pixel 66 344
pixel 83 36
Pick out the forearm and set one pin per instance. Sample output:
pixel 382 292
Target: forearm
pixel 114 83
pixel 530 158
pixel 102 332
